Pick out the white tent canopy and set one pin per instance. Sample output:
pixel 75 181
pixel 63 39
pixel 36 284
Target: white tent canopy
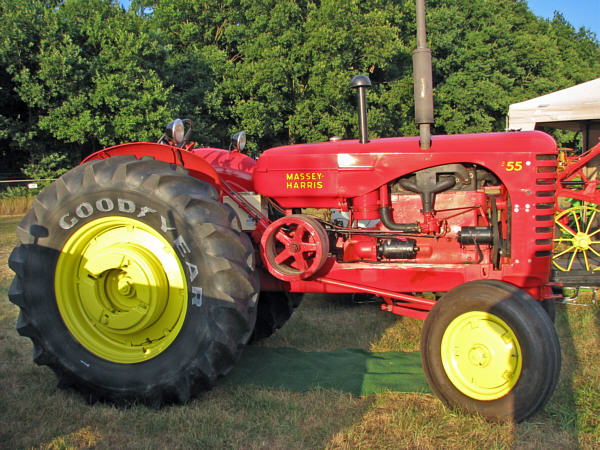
pixel 576 108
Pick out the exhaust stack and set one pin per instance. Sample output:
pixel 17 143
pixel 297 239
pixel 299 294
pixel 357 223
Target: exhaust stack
pixel 423 80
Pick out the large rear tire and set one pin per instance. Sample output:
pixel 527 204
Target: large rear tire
pixel 487 347
pixel 135 284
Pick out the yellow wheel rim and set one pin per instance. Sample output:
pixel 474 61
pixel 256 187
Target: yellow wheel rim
pixel 121 289
pixel 481 355
pixel 577 238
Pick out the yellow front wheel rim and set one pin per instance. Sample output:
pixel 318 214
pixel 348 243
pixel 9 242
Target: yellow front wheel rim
pixel 121 289
pixel 481 355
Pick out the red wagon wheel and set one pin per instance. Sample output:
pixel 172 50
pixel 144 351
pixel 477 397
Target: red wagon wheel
pixel 294 247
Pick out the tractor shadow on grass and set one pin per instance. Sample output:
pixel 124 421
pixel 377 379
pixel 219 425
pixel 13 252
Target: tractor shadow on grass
pixel 562 418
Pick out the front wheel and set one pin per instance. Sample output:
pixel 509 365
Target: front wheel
pixel 489 348
pixel 135 284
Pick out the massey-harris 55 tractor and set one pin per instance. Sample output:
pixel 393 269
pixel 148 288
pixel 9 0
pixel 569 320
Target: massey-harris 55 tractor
pixel 139 271
pixel 142 273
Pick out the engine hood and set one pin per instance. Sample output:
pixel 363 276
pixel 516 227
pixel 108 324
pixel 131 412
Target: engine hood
pixel 325 174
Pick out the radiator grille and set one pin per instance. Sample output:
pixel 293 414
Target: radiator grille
pixel 544 204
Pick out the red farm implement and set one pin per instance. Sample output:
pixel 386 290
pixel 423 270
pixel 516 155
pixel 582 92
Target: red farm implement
pixel 576 257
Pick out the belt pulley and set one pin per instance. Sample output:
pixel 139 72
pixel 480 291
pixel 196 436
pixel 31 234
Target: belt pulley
pixel 294 247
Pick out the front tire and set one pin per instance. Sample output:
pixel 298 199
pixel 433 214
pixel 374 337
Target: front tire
pixel 135 284
pixel 487 347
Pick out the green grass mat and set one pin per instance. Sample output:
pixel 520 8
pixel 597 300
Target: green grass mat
pixel 349 370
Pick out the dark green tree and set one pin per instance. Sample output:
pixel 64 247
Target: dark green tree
pixel 342 39
pixel 196 62
pixel 77 75
pixel 20 134
pixel 96 79
pixel 262 82
pixel 488 55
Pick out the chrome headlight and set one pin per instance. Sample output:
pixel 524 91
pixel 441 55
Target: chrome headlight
pixel 176 131
pixel 238 141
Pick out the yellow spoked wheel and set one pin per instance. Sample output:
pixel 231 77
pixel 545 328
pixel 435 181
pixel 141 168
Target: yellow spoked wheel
pixel 577 239
pixel 121 289
pixel 481 355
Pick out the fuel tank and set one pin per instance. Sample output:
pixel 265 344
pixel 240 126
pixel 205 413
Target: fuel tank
pixel 233 167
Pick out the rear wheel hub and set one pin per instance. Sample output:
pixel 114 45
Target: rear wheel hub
pixel 120 289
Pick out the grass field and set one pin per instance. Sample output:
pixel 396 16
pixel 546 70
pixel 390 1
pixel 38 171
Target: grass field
pixel 34 413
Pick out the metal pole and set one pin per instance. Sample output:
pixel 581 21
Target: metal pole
pixel 421 32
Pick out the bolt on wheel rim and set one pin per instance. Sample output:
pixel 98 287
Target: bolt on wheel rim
pixel 577 239
pixel 481 355
pixel 121 289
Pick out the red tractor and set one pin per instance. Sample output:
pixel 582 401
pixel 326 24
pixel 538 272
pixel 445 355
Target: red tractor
pixel 142 273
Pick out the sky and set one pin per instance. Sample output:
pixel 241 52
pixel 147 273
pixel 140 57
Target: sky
pixel 579 13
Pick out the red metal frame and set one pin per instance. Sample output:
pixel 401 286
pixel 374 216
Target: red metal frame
pixel 572 172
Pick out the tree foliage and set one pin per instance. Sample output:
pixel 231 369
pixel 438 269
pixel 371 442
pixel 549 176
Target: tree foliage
pixel 491 54
pixel 81 74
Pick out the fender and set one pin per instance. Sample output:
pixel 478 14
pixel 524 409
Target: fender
pixel 196 165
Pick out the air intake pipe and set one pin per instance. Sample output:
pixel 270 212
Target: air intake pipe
pixel 361 83
pixel 386 216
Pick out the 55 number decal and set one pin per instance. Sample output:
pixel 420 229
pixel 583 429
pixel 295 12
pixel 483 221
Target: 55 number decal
pixel 512 166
